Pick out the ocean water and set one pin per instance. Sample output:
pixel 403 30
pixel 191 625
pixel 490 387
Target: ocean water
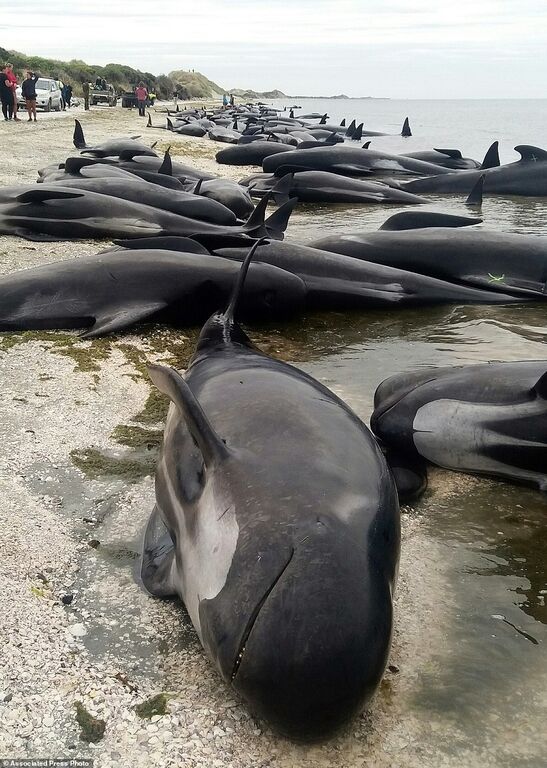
pixel 491 660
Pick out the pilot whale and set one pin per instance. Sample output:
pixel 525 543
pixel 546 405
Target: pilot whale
pixel 487 419
pixel 277 523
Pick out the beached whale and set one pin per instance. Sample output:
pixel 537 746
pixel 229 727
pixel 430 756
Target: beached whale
pixel 350 161
pixel 486 419
pixel 325 187
pixel 110 148
pixel 494 261
pixel 527 176
pixel 250 154
pixel 277 523
pixel 54 212
pixel 112 291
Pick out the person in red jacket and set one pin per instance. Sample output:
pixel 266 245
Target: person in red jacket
pixel 13 85
pixel 142 94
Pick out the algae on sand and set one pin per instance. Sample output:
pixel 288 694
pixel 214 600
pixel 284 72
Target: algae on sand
pixel 91 728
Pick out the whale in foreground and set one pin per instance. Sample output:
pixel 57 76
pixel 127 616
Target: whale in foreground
pixel 486 419
pixel 277 523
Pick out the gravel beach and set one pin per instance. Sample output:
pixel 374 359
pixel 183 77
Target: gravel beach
pixel 83 645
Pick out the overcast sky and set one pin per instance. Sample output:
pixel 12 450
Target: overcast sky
pixel 412 49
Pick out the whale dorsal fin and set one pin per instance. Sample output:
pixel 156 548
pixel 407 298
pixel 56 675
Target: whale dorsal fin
pixel 166 168
pixel 366 145
pixel 530 154
pixel 170 382
pixel 78 138
pixel 475 196
pixel 454 153
pixel 492 156
pixel 540 387
pixel 406 128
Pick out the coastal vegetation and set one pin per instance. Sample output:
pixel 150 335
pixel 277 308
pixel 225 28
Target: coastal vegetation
pixel 186 83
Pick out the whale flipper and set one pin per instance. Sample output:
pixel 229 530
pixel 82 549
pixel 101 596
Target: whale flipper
pixel 454 153
pixel 123 317
pixel 158 558
pixel 213 449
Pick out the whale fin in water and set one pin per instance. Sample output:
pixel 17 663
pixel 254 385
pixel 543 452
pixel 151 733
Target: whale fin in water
pixel 406 128
pixel 475 196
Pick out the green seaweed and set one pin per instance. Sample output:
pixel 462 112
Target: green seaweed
pixel 137 437
pixel 156 705
pixel 94 464
pixel 91 728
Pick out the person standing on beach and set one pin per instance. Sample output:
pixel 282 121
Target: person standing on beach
pixel 13 81
pixel 85 89
pixel 6 94
pixel 142 94
pixel 67 94
pixel 28 90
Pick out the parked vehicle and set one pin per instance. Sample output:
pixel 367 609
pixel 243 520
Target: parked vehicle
pixel 48 95
pixel 103 96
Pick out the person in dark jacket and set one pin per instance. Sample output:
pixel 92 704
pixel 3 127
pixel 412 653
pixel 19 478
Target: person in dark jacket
pixel 28 91
pixel 67 94
pixel 6 93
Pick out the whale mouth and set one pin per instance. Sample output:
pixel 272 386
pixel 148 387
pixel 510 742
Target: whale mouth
pixel 254 616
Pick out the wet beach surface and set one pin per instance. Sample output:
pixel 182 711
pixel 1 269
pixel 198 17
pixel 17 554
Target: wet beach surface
pixel 81 426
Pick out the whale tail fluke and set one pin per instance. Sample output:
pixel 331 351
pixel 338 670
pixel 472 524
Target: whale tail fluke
pixel 406 128
pixel 275 225
pixel 475 196
pixel 78 138
pixel 492 157
pixel 358 133
pixel 229 314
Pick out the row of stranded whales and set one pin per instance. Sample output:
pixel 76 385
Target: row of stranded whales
pixel 276 517
pixel 412 261
pixel 485 419
pixel 283 541
pixel 325 187
pixel 527 177
pixel 60 213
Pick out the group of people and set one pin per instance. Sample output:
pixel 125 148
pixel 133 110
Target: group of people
pixel 9 96
pixel 8 93
pixel 225 100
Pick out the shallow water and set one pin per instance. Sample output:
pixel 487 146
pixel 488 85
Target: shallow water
pixel 490 662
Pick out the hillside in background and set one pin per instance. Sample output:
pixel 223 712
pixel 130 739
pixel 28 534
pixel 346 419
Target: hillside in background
pixel 187 84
